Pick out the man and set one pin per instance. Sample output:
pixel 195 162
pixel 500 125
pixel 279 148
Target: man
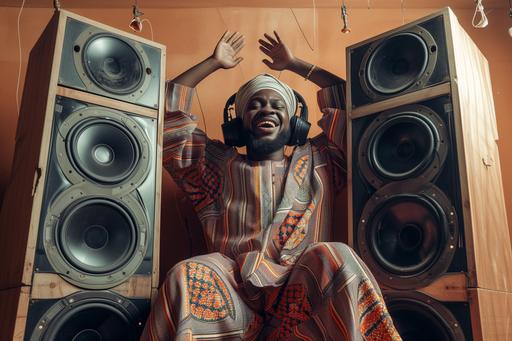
pixel 265 215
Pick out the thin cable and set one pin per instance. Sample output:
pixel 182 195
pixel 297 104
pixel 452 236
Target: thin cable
pixel 202 112
pixel 19 66
pixel 314 27
pixel 402 10
pixel 150 27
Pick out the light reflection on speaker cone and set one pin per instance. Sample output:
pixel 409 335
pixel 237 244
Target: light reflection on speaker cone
pixel 418 317
pixel 407 234
pixel 405 142
pixel 95 241
pixel 91 316
pixel 400 62
pixel 104 147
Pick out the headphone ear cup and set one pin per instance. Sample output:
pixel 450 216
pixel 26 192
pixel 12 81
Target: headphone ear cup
pixel 299 131
pixel 232 131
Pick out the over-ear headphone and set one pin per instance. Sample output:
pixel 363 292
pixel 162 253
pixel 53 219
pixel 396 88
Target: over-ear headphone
pixel 232 128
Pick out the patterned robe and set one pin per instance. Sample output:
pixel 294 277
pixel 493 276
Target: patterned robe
pixel 269 275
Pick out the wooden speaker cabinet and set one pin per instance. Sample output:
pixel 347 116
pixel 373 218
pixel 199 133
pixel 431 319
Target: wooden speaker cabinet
pixel 80 221
pixel 426 205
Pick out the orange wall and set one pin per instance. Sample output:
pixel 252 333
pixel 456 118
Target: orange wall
pixel 190 35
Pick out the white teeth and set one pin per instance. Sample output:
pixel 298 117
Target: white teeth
pixel 266 124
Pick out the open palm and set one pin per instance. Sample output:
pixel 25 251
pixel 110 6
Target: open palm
pixel 227 49
pixel 274 48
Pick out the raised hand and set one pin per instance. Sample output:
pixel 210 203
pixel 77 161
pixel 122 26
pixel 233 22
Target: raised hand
pixel 227 49
pixel 281 56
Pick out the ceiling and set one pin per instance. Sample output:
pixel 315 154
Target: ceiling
pixel 254 3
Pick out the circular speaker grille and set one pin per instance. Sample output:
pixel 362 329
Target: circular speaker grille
pixel 97 235
pixel 96 241
pixel 113 64
pixel 397 63
pixel 105 147
pixel 420 318
pixel 407 234
pixel 90 316
pixel 104 150
pixel 405 142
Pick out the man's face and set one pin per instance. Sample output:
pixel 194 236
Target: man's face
pixel 266 122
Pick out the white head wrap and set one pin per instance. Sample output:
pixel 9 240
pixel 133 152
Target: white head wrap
pixel 260 82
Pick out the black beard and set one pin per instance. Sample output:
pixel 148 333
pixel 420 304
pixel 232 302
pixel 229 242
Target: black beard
pixel 265 147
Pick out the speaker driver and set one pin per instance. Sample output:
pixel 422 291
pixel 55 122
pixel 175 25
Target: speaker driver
pixel 418 317
pixel 113 64
pixel 407 234
pixel 90 316
pixel 97 235
pixel 402 61
pixel 105 147
pixel 96 241
pixel 105 151
pixel 405 142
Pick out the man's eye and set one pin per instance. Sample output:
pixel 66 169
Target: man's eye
pixel 254 105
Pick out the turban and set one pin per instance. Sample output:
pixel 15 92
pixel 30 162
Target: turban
pixel 261 82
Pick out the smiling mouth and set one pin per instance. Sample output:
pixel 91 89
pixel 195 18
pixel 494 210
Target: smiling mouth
pixel 266 124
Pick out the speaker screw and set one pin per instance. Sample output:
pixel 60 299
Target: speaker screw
pixel 451 213
pixel 119 300
pixel 456 325
pixel 451 246
pixel 363 221
pixel 40 326
pixel 140 323
pixel 71 300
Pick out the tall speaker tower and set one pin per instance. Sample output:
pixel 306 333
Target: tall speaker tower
pixel 427 211
pixel 80 220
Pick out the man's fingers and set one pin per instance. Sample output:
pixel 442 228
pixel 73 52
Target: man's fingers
pixel 224 36
pixel 238 46
pixel 238 60
pixel 265 44
pixel 266 51
pixel 270 39
pixel 268 63
pixel 237 39
pixel 230 38
pixel 278 38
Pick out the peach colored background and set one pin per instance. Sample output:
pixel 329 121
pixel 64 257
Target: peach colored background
pixel 190 35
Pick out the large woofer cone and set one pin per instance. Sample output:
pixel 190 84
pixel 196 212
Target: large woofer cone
pixel 113 64
pixel 401 62
pixel 397 63
pixel 95 241
pixel 403 143
pixel 104 150
pixel 90 316
pixel 105 147
pixel 407 234
pixel 97 235
pixel 420 318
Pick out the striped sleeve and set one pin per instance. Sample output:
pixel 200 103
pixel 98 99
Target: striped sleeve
pixel 331 101
pixel 184 143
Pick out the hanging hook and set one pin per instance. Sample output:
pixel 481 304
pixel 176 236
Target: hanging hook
pixel 479 10
pixel 344 16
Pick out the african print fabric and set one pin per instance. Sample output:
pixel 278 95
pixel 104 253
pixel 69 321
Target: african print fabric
pixel 270 273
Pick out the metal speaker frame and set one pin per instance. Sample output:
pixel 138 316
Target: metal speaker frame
pixel 430 47
pixel 56 320
pixel 419 275
pixel 419 115
pixel 76 174
pixel 63 260
pixel 432 313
